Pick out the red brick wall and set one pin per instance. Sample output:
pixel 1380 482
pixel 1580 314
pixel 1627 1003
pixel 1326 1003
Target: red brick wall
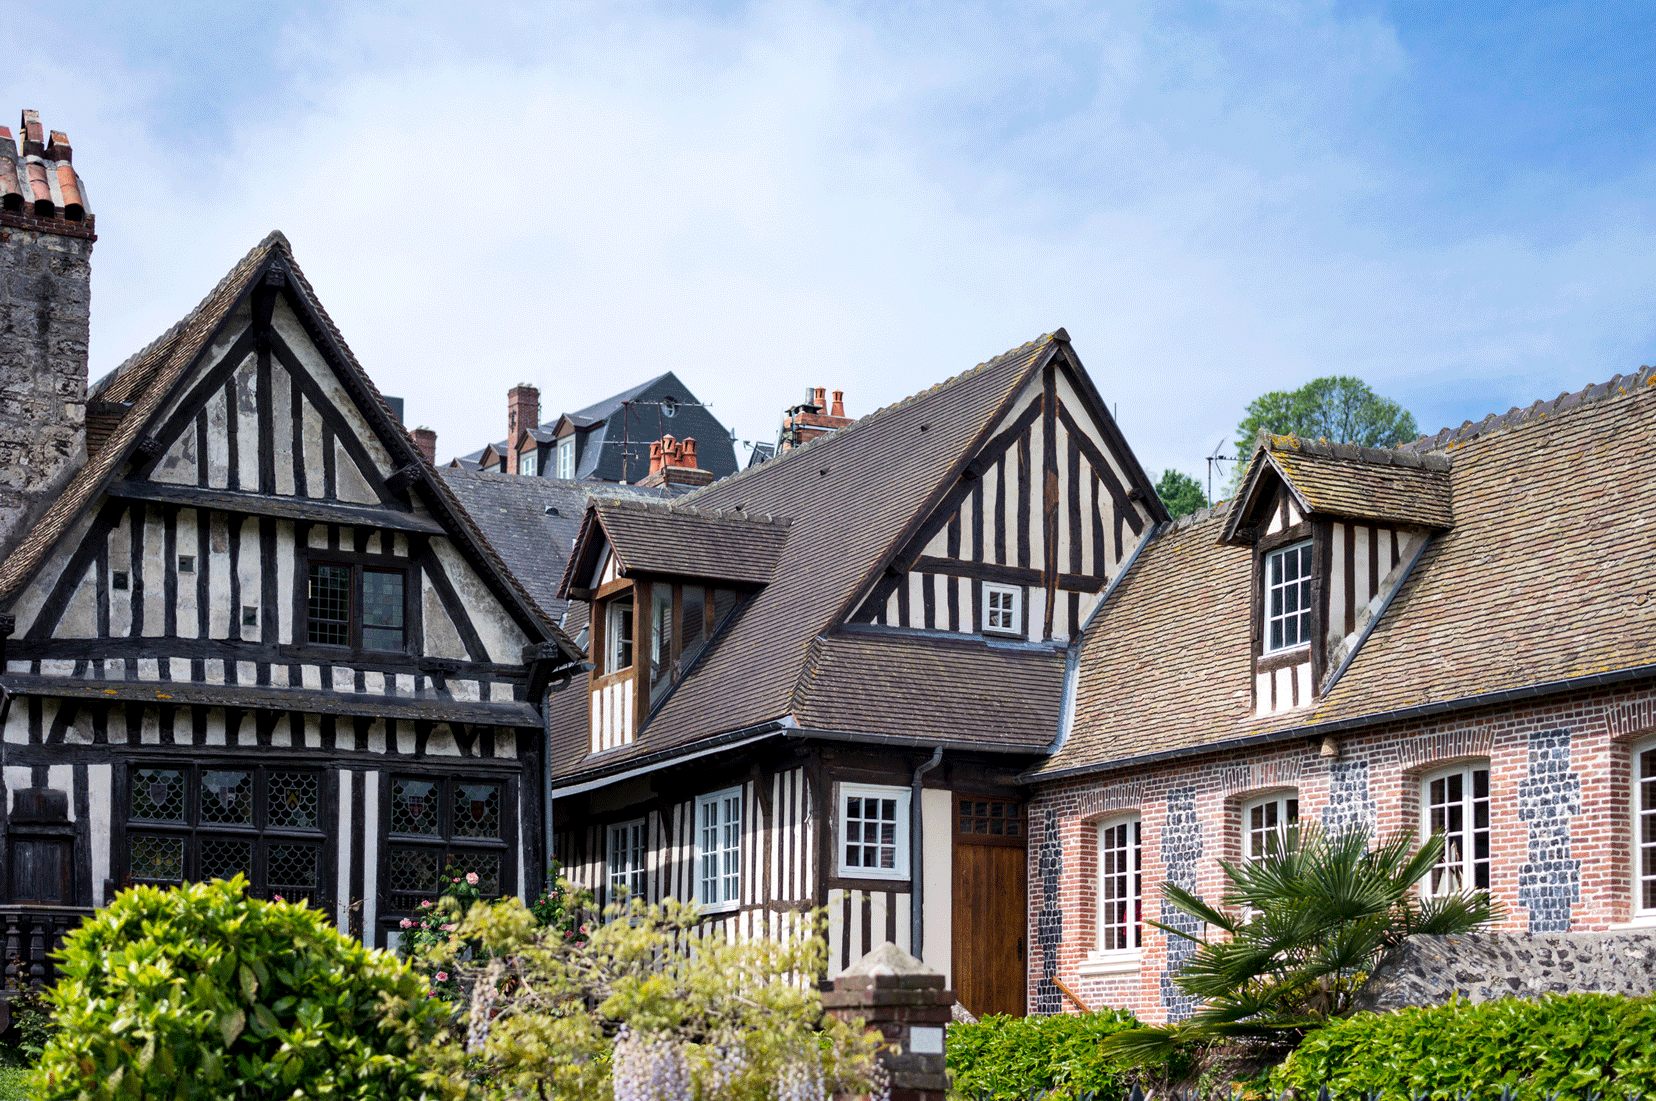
pixel 1536 800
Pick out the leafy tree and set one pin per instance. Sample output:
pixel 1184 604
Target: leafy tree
pixel 648 1004
pixel 1181 493
pixel 202 992
pixel 1319 915
pixel 1340 408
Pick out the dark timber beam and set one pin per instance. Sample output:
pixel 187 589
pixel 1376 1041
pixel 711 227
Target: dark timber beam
pixel 282 508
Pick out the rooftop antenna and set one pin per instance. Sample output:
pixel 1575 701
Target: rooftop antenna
pixel 1216 458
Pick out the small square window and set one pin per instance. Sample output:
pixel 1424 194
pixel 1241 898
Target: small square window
pixel 186 563
pixel 118 580
pixel 250 616
pixel 874 831
pixel 1002 609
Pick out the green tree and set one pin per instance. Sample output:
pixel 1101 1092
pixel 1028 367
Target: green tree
pixel 1181 493
pixel 1320 914
pixel 1341 409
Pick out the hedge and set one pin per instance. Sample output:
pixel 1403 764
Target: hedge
pixel 1008 1057
pixel 1573 1045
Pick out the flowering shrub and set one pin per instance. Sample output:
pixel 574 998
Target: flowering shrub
pixel 647 1006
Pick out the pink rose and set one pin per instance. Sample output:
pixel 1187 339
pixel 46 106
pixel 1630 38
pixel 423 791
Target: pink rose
pixel 424 904
pixel 279 898
pixel 406 924
pixel 471 877
pixel 448 928
pixel 442 976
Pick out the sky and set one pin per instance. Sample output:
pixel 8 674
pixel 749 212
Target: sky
pixel 1455 203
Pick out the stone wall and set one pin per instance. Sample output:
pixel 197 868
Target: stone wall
pixel 1483 967
pixel 45 311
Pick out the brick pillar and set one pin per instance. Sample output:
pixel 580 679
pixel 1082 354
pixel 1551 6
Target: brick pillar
pixel 903 998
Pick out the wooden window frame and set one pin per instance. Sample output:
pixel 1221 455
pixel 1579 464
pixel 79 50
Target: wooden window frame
pixel 1104 960
pixel 902 854
pixel 565 458
pixel 1468 862
pixel 726 900
pixel 1016 592
pixel 1286 801
pixel 354 626
pixel 446 779
pixel 1643 850
pixel 1306 545
pixel 633 876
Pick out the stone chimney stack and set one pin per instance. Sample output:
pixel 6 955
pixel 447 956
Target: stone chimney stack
pixel 46 236
pixel 522 411
pixel 426 440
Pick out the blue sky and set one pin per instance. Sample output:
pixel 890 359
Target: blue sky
pixel 1455 203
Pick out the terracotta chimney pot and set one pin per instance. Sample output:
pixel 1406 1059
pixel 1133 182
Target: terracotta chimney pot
pixel 838 408
pixel 821 398
pixel 687 455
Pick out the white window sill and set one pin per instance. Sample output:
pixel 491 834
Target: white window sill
pixel 718 907
pixel 875 873
pixel 1640 921
pixel 1111 963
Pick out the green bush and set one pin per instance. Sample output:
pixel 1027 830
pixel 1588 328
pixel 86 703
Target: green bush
pixel 1008 1057
pixel 202 992
pixel 1575 1044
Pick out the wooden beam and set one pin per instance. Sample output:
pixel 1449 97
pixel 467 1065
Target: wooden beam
pixel 282 508
pixel 1007 575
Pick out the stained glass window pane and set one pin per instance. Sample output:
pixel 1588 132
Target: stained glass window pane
pixel 414 806
pixel 382 609
pixel 227 797
pixel 412 876
pixel 223 857
pixel 291 800
pixel 158 794
pixel 476 810
pixel 157 859
pixel 290 871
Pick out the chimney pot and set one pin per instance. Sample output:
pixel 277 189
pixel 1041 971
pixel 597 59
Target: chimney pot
pixel 426 440
pixel 688 453
pixel 838 408
pixel 821 398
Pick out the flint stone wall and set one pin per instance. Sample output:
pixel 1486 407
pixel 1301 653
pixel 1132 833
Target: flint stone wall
pixel 1484 967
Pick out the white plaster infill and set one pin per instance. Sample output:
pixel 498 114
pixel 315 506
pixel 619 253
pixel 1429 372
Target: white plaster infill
pixel 1119 962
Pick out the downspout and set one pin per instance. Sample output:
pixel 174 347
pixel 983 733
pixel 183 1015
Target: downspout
pixel 546 787
pixel 917 863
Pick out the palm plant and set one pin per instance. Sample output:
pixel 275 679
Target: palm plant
pixel 1317 917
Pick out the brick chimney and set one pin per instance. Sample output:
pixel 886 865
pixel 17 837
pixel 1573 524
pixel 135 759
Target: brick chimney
pixel 426 440
pixel 812 419
pixel 673 462
pixel 46 236
pixel 522 411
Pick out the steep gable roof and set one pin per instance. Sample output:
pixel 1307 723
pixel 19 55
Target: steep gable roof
pixel 1337 479
pixel 148 382
pixel 854 496
pixel 662 538
pixel 1539 584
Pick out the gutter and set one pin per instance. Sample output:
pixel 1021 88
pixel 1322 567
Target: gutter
pixel 913 742
pixel 917 863
pixel 1401 714
pixel 1072 658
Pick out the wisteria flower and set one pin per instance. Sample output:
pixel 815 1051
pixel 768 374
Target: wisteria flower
pixel 406 924
pixel 471 878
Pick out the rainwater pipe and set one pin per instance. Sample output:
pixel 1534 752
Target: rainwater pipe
pixel 917 863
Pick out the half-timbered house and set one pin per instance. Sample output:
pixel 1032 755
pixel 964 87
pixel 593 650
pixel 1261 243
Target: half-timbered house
pixel 256 633
pixel 1455 637
pixel 815 683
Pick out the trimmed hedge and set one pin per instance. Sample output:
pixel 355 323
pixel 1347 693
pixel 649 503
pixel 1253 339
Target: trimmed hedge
pixel 1008 1057
pixel 1574 1044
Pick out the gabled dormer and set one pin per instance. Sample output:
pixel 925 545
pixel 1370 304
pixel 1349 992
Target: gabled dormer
pixel 1335 529
pixel 661 582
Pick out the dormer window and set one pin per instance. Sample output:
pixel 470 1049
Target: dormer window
pixel 1288 597
pixel 526 463
pixel 618 634
pixel 1002 609
pixel 566 457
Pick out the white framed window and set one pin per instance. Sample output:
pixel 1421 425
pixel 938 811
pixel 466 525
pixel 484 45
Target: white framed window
pixel 566 457
pixel 1644 829
pixel 1002 609
pixel 1288 597
pixel 526 463
pixel 1267 824
pixel 719 849
pixel 628 845
pixel 1455 802
pixel 1120 890
pixel 618 634
pixel 874 832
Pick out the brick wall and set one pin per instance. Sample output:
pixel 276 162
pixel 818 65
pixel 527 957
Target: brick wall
pixel 1560 838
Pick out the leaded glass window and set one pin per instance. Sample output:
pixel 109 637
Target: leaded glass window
pixel 330 604
pixel 357 606
pixel 442 828
pixel 382 609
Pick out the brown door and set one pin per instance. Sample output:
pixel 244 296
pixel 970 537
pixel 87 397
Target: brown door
pixel 990 910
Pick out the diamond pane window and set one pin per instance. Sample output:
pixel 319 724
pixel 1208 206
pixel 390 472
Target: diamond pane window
pixel 291 800
pixel 227 797
pixel 382 609
pixel 415 806
pixel 330 604
pixel 158 794
pixel 413 876
pixel 157 859
pixel 477 810
pixel 223 857
pixel 486 866
pixel 290 871
pixel 1288 597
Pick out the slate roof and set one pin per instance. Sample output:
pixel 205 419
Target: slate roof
pixel 1544 578
pixel 146 382
pixel 852 495
pixel 727 545
pixel 531 522
pixel 1360 483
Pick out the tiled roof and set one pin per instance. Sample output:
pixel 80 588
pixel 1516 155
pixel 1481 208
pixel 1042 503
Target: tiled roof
pixel 531 522
pixel 727 545
pixel 1543 578
pixel 976 693
pixel 40 179
pixel 1360 483
pixel 850 495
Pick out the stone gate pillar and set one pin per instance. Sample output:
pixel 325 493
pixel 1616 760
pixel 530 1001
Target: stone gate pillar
pixel 903 998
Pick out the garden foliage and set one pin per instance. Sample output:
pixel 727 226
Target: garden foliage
pixel 1011 1058
pixel 201 992
pixel 1562 1048
pixel 649 1004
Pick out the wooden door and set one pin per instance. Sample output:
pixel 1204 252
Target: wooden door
pixel 990 911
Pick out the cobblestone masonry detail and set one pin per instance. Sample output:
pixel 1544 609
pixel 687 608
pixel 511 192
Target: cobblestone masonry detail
pixel 1349 803
pixel 1181 847
pixel 1548 798
pixel 1050 930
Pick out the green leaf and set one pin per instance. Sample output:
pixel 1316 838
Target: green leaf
pixel 231 1025
pixel 249 984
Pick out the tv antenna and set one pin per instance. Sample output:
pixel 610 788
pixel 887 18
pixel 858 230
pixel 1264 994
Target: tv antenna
pixel 1216 458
